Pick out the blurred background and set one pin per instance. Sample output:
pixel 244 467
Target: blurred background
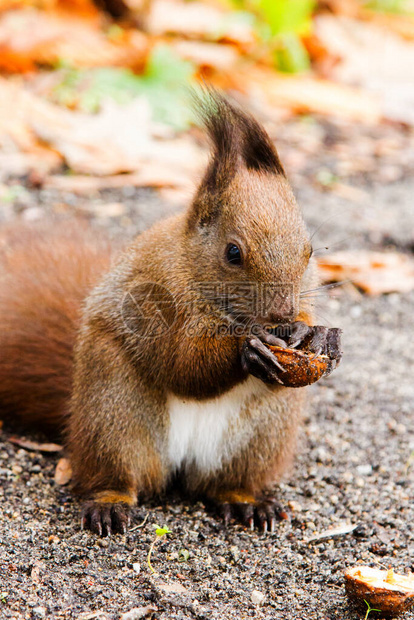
pixel 96 121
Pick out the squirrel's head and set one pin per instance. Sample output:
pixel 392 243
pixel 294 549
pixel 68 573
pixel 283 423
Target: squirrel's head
pixel 248 242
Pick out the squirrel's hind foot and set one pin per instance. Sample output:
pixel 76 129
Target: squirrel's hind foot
pixel 104 518
pixel 262 512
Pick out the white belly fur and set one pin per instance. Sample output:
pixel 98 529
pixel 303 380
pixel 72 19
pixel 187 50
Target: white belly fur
pixel 200 431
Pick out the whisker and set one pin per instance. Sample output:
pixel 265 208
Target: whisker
pixel 332 245
pixel 325 287
pixel 328 219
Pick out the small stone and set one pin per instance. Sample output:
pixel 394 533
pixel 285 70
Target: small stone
pixel 364 470
pixel 16 469
pixel 295 506
pixel 257 597
pixel 173 588
pixel 39 612
pixel 33 213
pixel 355 312
pixel 138 612
pixel 53 540
pixel 102 542
pixel 136 567
pixel 334 499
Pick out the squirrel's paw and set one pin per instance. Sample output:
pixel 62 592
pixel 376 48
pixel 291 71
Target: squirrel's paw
pixel 105 518
pixel 317 339
pixel 258 360
pixel 263 513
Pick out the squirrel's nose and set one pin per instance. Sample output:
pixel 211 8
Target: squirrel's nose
pixel 285 311
pixel 280 318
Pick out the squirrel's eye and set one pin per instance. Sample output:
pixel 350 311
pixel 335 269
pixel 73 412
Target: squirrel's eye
pixel 233 254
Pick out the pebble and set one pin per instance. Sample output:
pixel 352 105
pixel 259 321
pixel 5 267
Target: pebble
pixel 53 540
pixel 138 612
pixel 257 597
pixel 364 470
pixel 355 312
pixel 102 542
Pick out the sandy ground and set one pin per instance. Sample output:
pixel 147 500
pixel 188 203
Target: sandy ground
pixel 355 466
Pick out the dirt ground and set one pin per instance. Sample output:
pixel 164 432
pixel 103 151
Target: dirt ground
pixel 355 463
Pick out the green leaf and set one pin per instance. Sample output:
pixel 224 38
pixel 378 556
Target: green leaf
pixel 291 55
pixel 162 531
pixel 390 6
pixel 284 16
pixel 280 24
pixel 163 84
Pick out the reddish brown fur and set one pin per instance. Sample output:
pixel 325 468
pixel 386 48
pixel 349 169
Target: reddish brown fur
pixel 46 272
pixel 117 426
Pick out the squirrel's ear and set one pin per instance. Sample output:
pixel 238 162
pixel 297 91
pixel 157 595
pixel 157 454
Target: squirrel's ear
pixel 237 140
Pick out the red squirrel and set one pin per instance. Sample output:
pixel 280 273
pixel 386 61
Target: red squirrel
pixel 154 364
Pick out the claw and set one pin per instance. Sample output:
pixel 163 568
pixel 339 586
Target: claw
pixel 105 518
pixel 317 353
pixel 266 511
pixel 226 513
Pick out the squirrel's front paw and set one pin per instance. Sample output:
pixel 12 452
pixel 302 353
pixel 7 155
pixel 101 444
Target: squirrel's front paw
pixel 105 518
pixel 317 339
pixel 258 360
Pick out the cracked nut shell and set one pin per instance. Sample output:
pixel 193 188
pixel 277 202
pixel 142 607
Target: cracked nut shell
pixel 384 590
pixel 301 367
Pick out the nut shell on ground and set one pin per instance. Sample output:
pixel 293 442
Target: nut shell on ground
pixel 384 590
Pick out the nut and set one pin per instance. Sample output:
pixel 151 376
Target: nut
pixel 301 367
pixel 383 590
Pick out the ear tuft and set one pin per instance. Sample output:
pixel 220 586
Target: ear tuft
pixel 236 138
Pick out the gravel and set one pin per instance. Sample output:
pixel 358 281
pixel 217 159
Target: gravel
pixel 355 467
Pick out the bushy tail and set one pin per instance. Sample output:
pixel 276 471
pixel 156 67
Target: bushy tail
pixel 45 274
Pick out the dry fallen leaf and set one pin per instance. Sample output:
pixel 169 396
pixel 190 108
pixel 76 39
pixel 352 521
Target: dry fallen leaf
pixel 197 20
pixel 375 273
pixel 119 138
pixel 305 94
pixel 216 55
pixel 30 38
pixel 63 472
pixel 35 446
pixel 150 174
pixel 373 58
pixel 334 532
